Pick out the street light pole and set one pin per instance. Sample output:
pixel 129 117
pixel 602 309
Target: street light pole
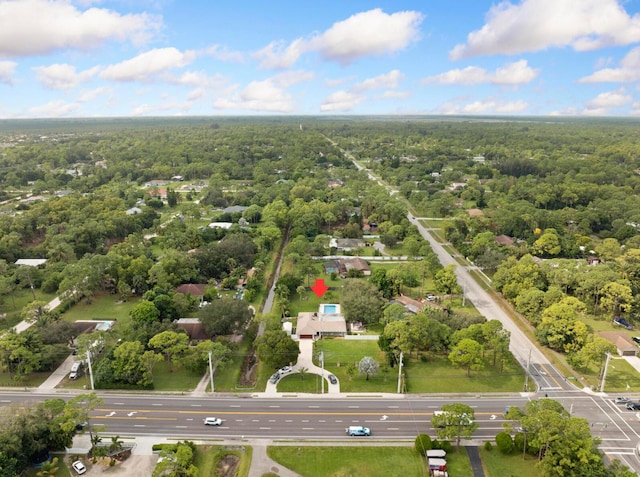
pixel 211 372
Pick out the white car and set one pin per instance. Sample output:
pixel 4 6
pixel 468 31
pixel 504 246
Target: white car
pixel 79 467
pixel 212 421
pixel 285 370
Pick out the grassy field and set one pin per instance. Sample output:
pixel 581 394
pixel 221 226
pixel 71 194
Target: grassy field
pixel 178 379
pixel 338 354
pixel 12 306
pixel 347 461
pixel 433 376
pixel 497 464
pixel 102 307
pixel 295 383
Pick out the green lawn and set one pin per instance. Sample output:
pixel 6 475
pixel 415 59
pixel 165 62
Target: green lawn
pixel 436 375
pixel 179 379
pixel 338 354
pixel 347 461
pixel 103 306
pixel 497 464
pixel 12 305
pixel 312 383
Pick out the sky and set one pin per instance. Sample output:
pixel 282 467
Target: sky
pixel 93 58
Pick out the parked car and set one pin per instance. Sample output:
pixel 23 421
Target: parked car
pixel 618 320
pixel 431 297
pixel 621 400
pixel 285 370
pixel 333 379
pixel 274 378
pixel 636 339
pixel 212 421
pixel 358 431
pixel 633 406
pixel 79 467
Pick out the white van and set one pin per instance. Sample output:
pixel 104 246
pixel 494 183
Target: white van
pixel 76 370
pixel 435 453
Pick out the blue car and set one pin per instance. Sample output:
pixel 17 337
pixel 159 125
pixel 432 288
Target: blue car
pixel 618 320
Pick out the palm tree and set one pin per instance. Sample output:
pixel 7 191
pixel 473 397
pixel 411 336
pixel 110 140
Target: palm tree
pixel 302 371
pixel 114 447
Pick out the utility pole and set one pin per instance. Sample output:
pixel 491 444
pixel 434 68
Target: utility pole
pixel 90 369
pixel 211 372
pixel 604 372
pixel 399 372
pixel 526 373
pixel 322 372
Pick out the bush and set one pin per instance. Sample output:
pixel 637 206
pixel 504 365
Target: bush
pixel 488 446
pixel 423 443
pixel 504 443
pixel 444 445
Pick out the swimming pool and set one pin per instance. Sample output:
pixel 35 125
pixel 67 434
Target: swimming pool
pixel 329 309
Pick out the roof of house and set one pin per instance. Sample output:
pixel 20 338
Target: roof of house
pixel 410 304
pixel 311 323
pixel 193 327
pixel 193 289
pixel 619 338
pixel 357 263
pixel 504 240
pixel 31 262
pixel 235 209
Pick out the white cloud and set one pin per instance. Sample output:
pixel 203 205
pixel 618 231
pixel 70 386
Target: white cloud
pixel 223 54
pixel 53 109
pixel 269 95
pixel 629 70
pixel 515 73
pixel 390 94
pixel 488 106
pixel 7 69
pixel 388 80
pixel 604 102
pixel 92 94
pixel 341 101
pixel 198 79
pixel 63 76
pixel 370 33
pixel 144 66
pixel 535 25
pixel 37 27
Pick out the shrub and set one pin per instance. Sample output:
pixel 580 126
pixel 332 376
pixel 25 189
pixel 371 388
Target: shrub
pixel 423 443
pixel 504 443
pixel 488 446
pixel 444 445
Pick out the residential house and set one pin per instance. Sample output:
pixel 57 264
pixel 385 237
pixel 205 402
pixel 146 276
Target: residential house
pixel 346 244
pixel 133 211
pixel 504 240
pixel 346 264
pixel 193 328
pixel 193 289
pixel 623 343
pixel 325 322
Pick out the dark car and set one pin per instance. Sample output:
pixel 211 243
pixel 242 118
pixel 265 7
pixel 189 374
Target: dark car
pixel 618 320
pixel 636 339
pixel 633 406
pixel 333 379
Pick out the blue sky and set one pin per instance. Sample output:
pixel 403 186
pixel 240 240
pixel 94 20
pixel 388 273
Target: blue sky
pixel 91 58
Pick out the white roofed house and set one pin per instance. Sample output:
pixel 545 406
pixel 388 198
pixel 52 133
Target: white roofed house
pixel 328 321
